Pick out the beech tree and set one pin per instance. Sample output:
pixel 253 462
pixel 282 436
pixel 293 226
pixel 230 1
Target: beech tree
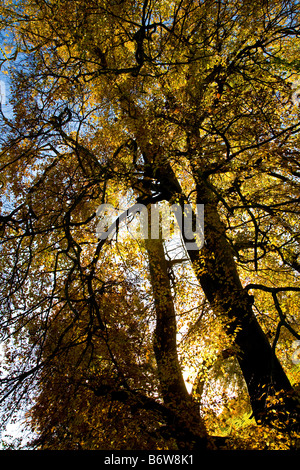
pixel 182 102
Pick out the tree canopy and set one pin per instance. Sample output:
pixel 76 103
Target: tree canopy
pixel 132 343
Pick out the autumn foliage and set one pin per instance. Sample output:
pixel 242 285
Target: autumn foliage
pixel 126 343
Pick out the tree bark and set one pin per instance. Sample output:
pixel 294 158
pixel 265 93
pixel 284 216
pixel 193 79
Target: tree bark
pixel 173 389
pixel 217 274
pixel 165 345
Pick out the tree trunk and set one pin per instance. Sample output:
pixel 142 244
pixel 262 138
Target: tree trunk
pixel 217 274
pixel 219 279
pixel 173 389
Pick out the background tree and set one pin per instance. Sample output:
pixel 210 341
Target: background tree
pixel 151 101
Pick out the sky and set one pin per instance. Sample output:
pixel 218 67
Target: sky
pixel 13 435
